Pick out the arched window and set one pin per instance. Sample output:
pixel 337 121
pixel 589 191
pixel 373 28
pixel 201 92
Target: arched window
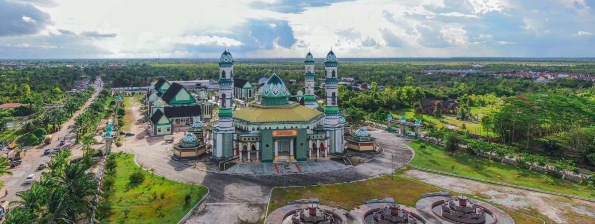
pixel 311 69
pixel 334 99
pixel 333 74
pixel 223 73
pixel 223 99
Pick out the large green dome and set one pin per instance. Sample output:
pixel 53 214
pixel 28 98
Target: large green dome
pixel 274 92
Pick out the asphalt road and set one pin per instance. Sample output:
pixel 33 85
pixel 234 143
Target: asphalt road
pixel 34 156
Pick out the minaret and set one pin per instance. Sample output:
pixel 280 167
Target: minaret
pixel 331 110
pixel 223 135
pixel 310 81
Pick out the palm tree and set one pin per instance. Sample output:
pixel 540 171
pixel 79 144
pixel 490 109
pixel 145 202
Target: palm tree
pixel 4 165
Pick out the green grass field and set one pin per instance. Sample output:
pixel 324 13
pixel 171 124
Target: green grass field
pixel 475 128
pixel 128 118
pixel 351 195
pixel 144 201
pixel 348 196
pixel 434 157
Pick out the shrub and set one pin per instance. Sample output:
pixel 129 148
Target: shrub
pixel 137 177
pixel 118 143
pixel 108 183
pixel 187 198
pixel 39 132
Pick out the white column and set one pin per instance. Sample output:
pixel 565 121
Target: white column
pixel 326 149
pixel 291 150
pixel 317 148
pixel 276 150
pixel 249 151
pixel 240 152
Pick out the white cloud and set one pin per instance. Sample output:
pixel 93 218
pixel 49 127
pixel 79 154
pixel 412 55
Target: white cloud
pixel 204 40
pixel 583 33
pixel 284 28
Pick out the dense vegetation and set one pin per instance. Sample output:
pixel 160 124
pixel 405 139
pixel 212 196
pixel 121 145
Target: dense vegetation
pixel 63 195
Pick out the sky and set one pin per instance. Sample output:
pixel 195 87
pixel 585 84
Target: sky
pixel 78 29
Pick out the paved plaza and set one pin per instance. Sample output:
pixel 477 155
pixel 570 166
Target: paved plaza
pixel 305 167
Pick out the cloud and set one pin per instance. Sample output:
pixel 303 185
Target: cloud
pixel 42 3
pixel 251 35
pixel 349 34
pixel 583 33
pixel 369 42
pixel 64 44
pixel 95 34
pixel 21 19
pixel 431 36
pixel 390 38
pixel 294 6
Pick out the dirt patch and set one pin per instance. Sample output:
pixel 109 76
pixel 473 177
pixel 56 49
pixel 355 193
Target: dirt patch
pixel 557 209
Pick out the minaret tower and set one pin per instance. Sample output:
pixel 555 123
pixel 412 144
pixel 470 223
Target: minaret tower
pixel 331 110
pixel 310 81
pixel 223 135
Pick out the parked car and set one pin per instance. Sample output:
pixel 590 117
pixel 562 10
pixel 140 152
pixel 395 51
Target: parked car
pixel 122 132
pixel 168 138
pixel 62 142
pixel 129 134
pixel 30 179
pixel 46 151
pixel 56 150
pixel 41 166
pixel 15 163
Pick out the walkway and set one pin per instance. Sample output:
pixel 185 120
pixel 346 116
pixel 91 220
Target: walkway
pixel 306 167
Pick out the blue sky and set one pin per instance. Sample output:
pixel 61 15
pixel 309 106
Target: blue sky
pixel 32 29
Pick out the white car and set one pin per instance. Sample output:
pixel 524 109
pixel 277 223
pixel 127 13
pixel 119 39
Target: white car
pixel 30 179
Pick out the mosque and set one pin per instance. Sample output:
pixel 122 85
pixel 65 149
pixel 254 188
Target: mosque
pixel 277 129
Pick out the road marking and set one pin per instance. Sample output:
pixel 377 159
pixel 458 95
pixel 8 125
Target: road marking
pixel 298 167
pixel 277 169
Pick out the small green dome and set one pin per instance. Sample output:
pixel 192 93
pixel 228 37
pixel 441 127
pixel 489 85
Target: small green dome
pixel 362 133
pixel 226 57
pixel 331 57
pixel 197 124
pixel 309 57
pixel 189 138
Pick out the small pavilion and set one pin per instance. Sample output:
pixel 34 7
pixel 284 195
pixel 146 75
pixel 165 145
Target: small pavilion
pixel 361 141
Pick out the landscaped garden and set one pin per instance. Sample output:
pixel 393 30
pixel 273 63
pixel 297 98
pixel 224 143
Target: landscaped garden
pixel 434 157
pixel 154 199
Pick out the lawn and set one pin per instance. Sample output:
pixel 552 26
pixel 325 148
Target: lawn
pixel 474 128
pixel 351 195
pixel 434 157
pixel 144 201
pixel 128 117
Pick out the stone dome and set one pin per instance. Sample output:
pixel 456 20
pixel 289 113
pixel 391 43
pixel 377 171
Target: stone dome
pixel 189 138
pixel 331 57
pixel 275 88
pixel 342 120
pixel 197 124
pixel 226 57
pixel 362 133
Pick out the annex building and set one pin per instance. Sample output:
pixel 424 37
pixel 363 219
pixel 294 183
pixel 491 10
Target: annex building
pixel 171 104
pixel 279 127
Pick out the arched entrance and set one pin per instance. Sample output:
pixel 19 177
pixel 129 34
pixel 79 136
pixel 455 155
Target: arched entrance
pixel 244 152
